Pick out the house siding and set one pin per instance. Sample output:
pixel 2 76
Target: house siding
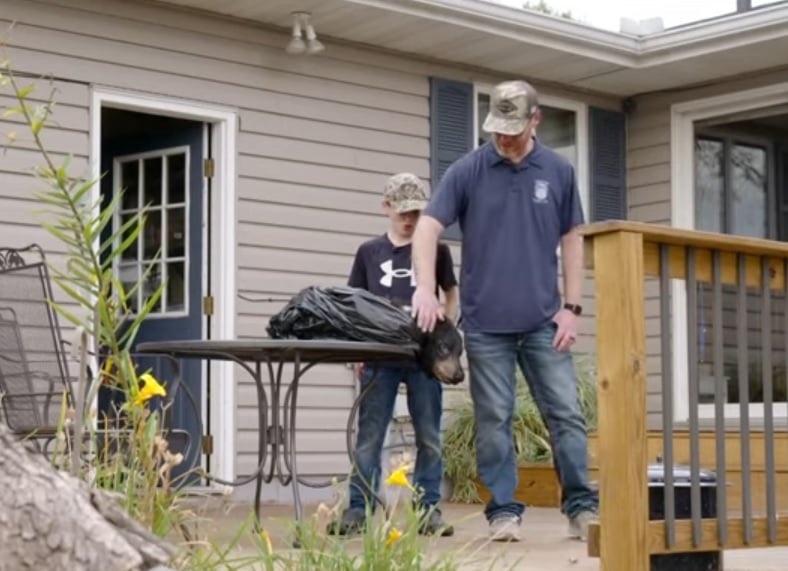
pixel 318 137
pixel 649 173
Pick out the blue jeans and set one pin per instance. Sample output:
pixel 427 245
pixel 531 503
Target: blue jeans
pixel 551 379
pixel 376 410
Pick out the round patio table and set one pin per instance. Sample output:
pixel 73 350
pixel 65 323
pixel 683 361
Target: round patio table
pixel 275 438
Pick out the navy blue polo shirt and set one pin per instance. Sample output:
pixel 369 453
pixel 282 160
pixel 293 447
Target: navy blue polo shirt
pixel 512 219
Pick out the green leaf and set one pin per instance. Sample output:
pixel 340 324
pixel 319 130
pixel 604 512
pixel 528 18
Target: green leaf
pixel 13 111
pixel 76 296
pixel 78 194
pixel 130 224
pixel 58 233
pixel 25 91
pixel 67 314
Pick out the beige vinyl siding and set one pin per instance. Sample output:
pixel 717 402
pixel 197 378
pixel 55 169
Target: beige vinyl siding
pixel 318 136
pixel 21 215
pixel 317 139
pixel 648 164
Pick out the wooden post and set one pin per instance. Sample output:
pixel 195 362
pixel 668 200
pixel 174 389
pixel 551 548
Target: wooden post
pixel 621 364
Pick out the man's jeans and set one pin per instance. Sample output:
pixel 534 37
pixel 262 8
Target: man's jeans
pixel 375 414
pixel 551 379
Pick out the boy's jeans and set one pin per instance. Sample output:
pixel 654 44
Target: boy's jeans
pixel 551 378
pixel 375 414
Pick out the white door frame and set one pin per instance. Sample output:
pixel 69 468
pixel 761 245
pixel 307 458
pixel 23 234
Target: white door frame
pixel 224 122
pixel 682 215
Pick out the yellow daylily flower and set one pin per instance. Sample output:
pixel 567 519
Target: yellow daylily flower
pixel 394 535
pixel 398 478
pixel 151 388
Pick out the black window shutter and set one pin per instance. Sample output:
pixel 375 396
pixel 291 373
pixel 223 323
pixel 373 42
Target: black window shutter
pixel 608 164
pixel 451 131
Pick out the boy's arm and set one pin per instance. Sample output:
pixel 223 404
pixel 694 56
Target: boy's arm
pixel 447 281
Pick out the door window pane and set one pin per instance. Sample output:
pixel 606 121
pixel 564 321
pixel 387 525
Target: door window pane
pixel 152 282
pixel 152 234
pixel 176 232
pixel 176 286
pixel 176 178
pixel 162 181
pixel 152 181
pixel 129 184
pixel 131 252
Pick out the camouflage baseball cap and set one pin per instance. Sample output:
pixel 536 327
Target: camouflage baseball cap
pixel 512 103
pixel 405 192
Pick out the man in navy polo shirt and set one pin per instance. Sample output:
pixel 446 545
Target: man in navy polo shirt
pixel 383 265
pixel 516 202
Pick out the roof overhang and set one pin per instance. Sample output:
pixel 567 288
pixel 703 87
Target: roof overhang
pixel 523 43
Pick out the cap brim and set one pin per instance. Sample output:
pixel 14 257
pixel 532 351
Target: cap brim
pixel 493 124
pixel 410 206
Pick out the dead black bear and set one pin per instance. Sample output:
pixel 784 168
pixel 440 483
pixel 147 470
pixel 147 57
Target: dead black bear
pixel 354 314
pixel 440 351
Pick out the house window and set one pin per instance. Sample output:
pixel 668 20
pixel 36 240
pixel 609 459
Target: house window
pixel 734 194
pixel 562 128
pixel 731 187
pixel 157 182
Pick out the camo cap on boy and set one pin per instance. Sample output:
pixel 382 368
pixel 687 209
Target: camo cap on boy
pixel 405 192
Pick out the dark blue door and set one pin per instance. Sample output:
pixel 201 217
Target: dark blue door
pixel 158 162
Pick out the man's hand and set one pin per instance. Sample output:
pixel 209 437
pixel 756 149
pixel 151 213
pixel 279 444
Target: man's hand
pixel 566 335
pixel 426 309
pixel 358 369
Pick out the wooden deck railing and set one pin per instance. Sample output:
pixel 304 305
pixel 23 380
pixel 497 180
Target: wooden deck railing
pixel 724 298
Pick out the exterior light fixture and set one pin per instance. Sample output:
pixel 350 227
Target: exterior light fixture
pixel 302 25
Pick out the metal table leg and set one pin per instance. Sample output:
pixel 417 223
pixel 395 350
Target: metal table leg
pixel 262 456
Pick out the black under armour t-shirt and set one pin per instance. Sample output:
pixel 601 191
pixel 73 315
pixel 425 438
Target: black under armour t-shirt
pixel 387 270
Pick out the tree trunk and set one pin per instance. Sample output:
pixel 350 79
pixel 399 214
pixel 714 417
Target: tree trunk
pixel 51 520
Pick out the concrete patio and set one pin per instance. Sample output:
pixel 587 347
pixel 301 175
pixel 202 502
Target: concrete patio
pixel 544 545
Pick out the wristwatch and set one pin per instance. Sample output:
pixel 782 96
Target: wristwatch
pixel 574 308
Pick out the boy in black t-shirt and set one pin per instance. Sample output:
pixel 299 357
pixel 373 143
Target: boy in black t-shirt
pixel 384 267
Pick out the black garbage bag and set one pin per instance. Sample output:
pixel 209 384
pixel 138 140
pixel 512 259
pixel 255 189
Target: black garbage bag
pixel 346 314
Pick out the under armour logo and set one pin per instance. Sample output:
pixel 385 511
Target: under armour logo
pixel 389 273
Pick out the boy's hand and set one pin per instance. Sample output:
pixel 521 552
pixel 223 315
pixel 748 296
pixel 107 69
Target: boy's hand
pixel 426 308
pixel 358 369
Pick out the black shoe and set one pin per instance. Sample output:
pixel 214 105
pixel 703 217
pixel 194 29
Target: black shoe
pixel 352 522
pixel 434 525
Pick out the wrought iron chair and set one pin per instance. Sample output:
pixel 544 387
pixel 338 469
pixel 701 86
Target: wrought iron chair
pixel 34 378
pixel 35 383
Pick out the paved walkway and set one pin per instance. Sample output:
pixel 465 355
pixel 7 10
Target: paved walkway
pixel 544 546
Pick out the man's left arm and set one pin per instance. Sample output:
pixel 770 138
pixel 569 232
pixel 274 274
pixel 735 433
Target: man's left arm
pixel 572 241
pixel 571 264
pixel 447 281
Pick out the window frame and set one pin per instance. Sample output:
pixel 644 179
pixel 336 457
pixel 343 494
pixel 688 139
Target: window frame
pixel 730 137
